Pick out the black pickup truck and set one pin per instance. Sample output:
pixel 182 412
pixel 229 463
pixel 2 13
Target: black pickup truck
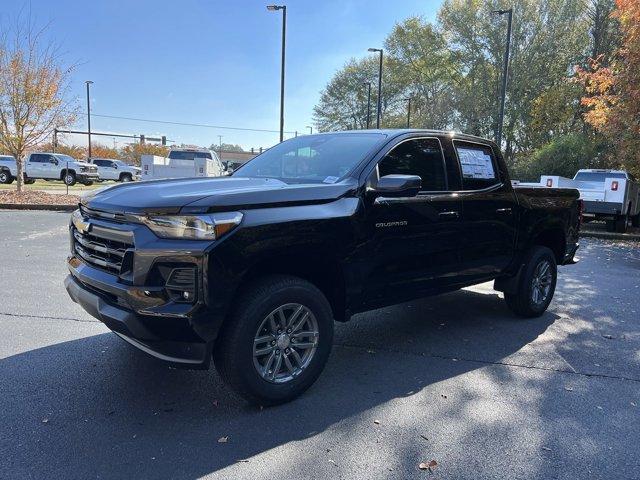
pixel 252 270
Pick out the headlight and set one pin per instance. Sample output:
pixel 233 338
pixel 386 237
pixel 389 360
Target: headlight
pixel 194 227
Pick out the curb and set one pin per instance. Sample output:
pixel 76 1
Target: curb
pixel 30 206
pixel 611 235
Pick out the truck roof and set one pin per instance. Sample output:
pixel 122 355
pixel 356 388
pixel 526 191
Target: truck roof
pixel 395 132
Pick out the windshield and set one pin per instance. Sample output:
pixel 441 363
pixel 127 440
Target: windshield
pixel 312 158
pixel 597 176
pixel 64 158
pixel 181 155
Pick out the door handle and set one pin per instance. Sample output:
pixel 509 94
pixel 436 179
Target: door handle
pixel 503 210
pixel 451 215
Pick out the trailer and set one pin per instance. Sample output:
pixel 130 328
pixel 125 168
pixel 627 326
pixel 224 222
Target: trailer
pixel 611 195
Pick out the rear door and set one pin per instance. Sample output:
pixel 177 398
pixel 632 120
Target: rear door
pixel 414 240
pixel 33 167
pixel 490 208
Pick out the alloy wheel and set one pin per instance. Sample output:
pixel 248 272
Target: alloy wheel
pixel 541 282
pixel 285 343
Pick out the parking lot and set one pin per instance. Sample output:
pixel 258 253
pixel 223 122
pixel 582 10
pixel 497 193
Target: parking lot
pixel 456 379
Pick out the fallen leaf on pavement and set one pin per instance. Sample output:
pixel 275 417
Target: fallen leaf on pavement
pixel 608 337
pixel 546 449
pixel 568 389
pixel 428 466
pixel 424 437
pixel 377 422
pixel 223 439
pixel 45 420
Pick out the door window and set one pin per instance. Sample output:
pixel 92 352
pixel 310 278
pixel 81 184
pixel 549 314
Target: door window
pixel 477 165
pixel 419 156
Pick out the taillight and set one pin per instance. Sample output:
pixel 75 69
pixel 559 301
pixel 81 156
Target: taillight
pixel 614 185
pixel 549 182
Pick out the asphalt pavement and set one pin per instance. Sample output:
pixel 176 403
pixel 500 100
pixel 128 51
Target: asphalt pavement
pixel 456 379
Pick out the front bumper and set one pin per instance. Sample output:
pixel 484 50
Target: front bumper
pixel 87 176
pixel 131 328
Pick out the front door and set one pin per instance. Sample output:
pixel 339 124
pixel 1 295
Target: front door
pixel 413 241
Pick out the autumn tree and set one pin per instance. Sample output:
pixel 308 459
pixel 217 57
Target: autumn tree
pixel 34 87
pixel 612 92
pixel 131 153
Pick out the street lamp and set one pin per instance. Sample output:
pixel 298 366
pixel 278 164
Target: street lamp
pixel 310 129
pixel 368 84
pixel 509 12
pixel 274 8
pixel 408 99
pixel 379 114
pixel 88 82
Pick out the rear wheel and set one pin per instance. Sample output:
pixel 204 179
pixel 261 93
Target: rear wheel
pixel 5 177
pixel 126 177
pixel 621 223
pixel 275 345
pixel 537 284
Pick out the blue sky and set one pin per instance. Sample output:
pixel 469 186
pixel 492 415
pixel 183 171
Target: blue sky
pixel 209 62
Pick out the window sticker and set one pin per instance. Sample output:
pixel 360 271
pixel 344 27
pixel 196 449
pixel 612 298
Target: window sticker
pixel 476 163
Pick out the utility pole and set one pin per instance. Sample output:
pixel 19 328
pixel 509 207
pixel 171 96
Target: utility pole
pixel 88 82
pixel 505 71
pixel 220 146
pixel 408 112
pixel 284 36
pixel 379 114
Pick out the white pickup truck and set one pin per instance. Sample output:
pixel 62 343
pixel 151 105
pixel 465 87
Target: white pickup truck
pixel 612 195
pixel 110 169
pixel 49 166
pixel 182 163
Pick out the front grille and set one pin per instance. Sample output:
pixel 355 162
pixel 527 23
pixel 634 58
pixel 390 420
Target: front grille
pixel 101 252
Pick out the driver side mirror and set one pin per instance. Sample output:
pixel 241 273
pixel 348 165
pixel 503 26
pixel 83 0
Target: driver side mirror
pixel 54 160
pixel 398 186
pixel 115 165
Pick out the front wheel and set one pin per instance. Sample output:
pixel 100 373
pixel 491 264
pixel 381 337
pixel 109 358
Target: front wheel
pixel 537 284
pixel 275 345
pixel 69 179
pixel 126 177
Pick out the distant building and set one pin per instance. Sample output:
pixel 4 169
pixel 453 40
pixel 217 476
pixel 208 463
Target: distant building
pixel 235 159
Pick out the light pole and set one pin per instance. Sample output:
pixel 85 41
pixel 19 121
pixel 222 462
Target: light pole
pixel 310 129
pixel 220 146
pixel 284 35
pixel 379 113
pixel 408 99
pixel 368 84
pixel 88 82
pixel 509 13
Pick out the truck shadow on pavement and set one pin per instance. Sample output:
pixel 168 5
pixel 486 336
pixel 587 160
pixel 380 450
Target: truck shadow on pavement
pixel 96 407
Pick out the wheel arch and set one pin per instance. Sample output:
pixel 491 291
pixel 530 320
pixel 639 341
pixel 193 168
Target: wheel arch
pixel 64 171
pixel 319 268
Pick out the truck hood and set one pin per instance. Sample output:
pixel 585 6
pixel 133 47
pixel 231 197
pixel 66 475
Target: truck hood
pixel 191 195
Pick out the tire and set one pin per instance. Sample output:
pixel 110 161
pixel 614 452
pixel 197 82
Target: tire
pixel 29 181
pixel 234 352
pixel 523 303
pixel 621 223
pixel 126 177
pixel 69 178
pixel 5 177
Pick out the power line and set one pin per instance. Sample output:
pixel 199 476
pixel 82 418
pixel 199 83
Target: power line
pixel 166 122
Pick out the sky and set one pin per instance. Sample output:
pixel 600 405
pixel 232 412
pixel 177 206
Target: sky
pixel 209 62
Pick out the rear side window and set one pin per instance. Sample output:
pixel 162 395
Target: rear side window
pixel 477 165
pixel 420 156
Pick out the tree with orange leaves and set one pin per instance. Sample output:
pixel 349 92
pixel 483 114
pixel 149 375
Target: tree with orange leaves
pixel 612 92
